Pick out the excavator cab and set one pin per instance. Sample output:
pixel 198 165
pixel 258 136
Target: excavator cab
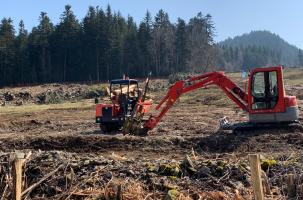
pixel 267 102
pixel 265 90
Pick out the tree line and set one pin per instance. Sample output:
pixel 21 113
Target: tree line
pixel 245 58
pixel 102 46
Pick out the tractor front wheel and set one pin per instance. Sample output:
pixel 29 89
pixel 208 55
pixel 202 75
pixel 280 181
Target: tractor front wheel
pixel 109 127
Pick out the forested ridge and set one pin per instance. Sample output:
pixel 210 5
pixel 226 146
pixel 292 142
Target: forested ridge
pixel 105 45
pixel 257 48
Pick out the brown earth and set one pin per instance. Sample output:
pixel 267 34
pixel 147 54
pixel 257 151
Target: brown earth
pixel 69 135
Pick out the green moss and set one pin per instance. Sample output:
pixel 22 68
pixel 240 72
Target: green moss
pixel 151 167
pixel 169 187
pixel 172 194
pixel 267 163
pixel 188 165
pixel 221 163
pixel 171 169
pixel 173 178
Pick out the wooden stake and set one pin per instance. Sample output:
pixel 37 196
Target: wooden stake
pixel 291 186
pixel 17 178
pixel 255 167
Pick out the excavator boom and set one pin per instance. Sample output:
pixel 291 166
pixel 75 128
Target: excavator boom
pixel 231 89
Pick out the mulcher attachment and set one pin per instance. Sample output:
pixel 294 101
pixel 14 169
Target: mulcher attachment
pixel 134 123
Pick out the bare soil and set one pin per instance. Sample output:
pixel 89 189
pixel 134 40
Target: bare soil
pixel 101 164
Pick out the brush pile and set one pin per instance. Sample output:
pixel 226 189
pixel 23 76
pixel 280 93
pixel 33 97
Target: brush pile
pixel 50 93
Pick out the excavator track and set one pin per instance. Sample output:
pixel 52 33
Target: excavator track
pixel 247 126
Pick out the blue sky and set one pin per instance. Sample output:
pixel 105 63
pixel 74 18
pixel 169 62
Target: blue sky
pixel 231 17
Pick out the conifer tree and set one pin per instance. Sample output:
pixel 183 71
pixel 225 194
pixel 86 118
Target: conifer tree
pixel 7 51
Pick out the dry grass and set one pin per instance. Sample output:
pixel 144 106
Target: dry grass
pixel 11 109
pixel 293 76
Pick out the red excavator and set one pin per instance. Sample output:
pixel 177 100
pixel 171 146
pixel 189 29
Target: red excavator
pixel 265 99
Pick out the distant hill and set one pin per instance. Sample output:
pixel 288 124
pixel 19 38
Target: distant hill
pixel 284 52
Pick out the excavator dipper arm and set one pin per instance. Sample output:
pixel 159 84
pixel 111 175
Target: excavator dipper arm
pixel 180 87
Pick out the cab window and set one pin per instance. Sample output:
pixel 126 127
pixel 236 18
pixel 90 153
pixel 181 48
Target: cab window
pixel 265 90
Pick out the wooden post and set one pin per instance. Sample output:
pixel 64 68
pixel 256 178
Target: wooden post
pixel 17 176
pixel 255 167
pixel 291 186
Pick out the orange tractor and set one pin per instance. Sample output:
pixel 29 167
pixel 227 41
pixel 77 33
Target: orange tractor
pixel 127 99
pixel 265 101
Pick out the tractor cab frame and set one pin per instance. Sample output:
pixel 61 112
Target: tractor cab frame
pixel 125 93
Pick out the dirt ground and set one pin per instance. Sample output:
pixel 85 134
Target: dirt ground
pixel 152 167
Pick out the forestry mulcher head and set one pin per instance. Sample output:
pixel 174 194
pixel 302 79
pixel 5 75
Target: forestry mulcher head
pixel 134 123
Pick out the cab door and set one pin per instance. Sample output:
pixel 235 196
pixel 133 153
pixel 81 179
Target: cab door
pixel 266 91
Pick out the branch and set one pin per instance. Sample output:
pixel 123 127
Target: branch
pixel 32 187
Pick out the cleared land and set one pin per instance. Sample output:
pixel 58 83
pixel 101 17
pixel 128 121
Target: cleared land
pixel 60 129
